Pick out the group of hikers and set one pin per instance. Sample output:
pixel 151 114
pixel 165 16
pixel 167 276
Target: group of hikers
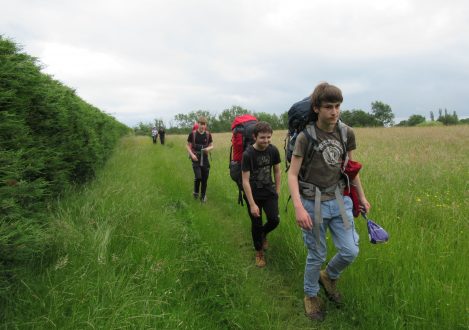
pixel 316 184
pixel 155 132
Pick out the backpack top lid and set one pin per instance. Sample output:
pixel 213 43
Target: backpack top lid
pixel 242 119
pixel 298 114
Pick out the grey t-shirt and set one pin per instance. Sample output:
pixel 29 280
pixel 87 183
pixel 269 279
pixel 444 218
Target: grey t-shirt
pixel 323 168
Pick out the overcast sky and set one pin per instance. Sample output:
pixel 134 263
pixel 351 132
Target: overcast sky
pixel 140 60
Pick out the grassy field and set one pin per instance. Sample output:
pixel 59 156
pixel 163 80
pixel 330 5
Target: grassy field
pixel 134 250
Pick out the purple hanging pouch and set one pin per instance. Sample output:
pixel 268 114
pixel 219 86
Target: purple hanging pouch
pixel 376 233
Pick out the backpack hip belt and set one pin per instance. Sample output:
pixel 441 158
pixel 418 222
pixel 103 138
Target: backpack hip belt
pixel 309 189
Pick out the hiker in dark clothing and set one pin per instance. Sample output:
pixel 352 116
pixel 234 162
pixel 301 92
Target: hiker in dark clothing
pixel 260 192
pixel 199 144
pixel 161 133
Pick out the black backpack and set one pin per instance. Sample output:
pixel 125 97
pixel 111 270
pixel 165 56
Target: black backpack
pixel 299 116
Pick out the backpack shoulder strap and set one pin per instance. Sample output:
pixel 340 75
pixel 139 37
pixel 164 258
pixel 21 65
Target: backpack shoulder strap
pixel 343 131
pixel 310 133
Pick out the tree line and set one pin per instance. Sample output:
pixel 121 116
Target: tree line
pixel 381 115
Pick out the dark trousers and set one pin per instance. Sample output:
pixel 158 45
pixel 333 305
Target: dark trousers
pixel 200 178
pixel 258 230
pixel 162 138
pixel 154 138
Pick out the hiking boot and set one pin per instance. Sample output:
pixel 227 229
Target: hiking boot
pixel 203 199
pixel 195 195
pixel 260 260
pixel 330 286
pixel 314 308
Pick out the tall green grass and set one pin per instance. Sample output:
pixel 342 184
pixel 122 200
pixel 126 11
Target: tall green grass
pixel 134 250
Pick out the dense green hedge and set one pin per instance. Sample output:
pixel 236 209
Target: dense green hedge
pixel 49 139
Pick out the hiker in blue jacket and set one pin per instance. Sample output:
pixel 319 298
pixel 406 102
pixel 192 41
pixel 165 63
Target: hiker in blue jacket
pixel 260 192
pixel 316 187
pixel 199 144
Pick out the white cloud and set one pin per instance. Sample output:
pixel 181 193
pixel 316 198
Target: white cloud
pixel 145 59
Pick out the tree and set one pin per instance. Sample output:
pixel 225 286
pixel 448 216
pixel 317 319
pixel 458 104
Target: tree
pixel 414 120
pixel 142 129
pixel 284 119
pixel 159 123
pixel 403 123
pixel 358 118
pixel 272 119
pixel 186 121
pixel 448 119
pixel 227 116
pixel 383 113
pixel 432 116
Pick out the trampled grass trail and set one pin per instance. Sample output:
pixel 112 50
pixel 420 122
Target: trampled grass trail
pixel 134 250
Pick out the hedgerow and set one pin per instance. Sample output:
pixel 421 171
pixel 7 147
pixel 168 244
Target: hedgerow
pixel 50 139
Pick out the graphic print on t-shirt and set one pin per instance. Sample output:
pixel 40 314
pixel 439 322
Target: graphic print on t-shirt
pixel 331 151
pixel 262 173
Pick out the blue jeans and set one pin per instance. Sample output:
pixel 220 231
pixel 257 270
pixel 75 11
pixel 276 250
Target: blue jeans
pixel 345 241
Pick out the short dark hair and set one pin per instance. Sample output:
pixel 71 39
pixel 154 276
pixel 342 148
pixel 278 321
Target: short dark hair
pixel 262 127
pixel 324 92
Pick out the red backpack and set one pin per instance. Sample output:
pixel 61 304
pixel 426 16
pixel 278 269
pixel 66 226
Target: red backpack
pixel 243 130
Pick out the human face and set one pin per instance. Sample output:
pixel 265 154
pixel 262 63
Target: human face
pixel 328 114
pixel 263 140
pixel 202 127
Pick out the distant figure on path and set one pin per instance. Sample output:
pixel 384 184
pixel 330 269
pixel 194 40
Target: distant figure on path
pixel 199 144
pixel 154 134
pixel 161 133
pixel 260 192
pixel 316 188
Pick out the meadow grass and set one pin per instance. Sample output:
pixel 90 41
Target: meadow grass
pixel 134 250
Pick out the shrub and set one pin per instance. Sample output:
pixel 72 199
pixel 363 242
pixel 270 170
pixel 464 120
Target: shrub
pixel 49 139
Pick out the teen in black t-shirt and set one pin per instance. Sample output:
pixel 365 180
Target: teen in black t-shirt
pixel 260 191
pixel 199 143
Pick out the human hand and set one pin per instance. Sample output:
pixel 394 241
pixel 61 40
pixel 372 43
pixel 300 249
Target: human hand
pixel 364 205
pixel 303 219
pixel 255 211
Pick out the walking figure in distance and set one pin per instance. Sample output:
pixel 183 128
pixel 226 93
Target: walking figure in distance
pixel 154 134
pixel 161 133
pixel 199 144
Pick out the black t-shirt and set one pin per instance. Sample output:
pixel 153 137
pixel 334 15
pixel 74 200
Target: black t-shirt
pixel 259 164
pixel 198 142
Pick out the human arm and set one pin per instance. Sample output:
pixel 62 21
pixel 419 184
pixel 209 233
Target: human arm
pixel 254 209
pixel 277 178
pixel 303 219
pixel 209 148
pixel 191 153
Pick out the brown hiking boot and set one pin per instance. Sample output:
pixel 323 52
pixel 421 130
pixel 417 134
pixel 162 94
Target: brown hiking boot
pixel 330 286
pixel 260 260
pixel 314 308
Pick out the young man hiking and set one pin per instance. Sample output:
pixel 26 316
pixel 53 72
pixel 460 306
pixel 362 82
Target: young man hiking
pixel 260 192
pixel 199 143
pixel 316 188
